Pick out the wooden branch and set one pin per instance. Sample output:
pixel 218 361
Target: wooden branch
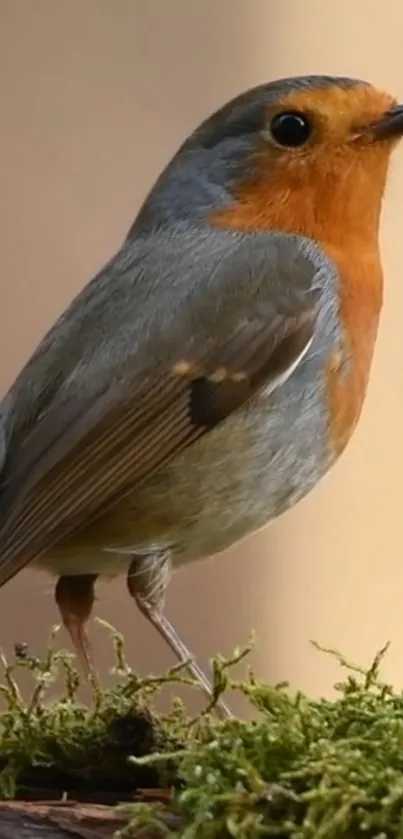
pixel 69 820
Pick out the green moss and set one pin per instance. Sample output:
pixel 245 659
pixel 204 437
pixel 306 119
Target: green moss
pixel 55 748
pixel 306 769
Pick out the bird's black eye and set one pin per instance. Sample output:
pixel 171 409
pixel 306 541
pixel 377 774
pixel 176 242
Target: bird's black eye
pixel 290 129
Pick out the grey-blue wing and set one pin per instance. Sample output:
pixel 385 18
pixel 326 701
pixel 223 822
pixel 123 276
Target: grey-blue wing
pixel 127 392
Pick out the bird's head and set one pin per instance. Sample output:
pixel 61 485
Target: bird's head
pixel 308 155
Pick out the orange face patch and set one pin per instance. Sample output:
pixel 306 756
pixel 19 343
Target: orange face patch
pixel 332 186
pixel 338 113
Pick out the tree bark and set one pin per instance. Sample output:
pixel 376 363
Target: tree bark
pixel 69 820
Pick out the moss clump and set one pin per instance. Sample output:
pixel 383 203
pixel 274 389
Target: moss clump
pixel 306 769
pixel 50 749
pixel 53 749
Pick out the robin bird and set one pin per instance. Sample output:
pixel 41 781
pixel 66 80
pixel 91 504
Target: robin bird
pixel 214 370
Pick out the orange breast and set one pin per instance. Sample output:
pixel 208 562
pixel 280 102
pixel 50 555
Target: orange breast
pixel 346 227
pixel 360 277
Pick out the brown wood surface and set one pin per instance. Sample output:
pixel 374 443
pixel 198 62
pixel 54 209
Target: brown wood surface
pixel 61 820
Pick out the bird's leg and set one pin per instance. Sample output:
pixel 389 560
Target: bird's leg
pixel 75 598
pixel 147 581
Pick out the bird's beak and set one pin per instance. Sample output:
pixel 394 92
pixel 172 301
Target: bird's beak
pixel 389 127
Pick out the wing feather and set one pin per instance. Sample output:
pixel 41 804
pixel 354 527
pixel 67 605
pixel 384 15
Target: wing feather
pixel 84 454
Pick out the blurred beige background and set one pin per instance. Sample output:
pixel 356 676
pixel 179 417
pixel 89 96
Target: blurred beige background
pixel 95 96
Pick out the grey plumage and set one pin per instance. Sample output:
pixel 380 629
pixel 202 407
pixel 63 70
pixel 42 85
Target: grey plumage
pixel 160 319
